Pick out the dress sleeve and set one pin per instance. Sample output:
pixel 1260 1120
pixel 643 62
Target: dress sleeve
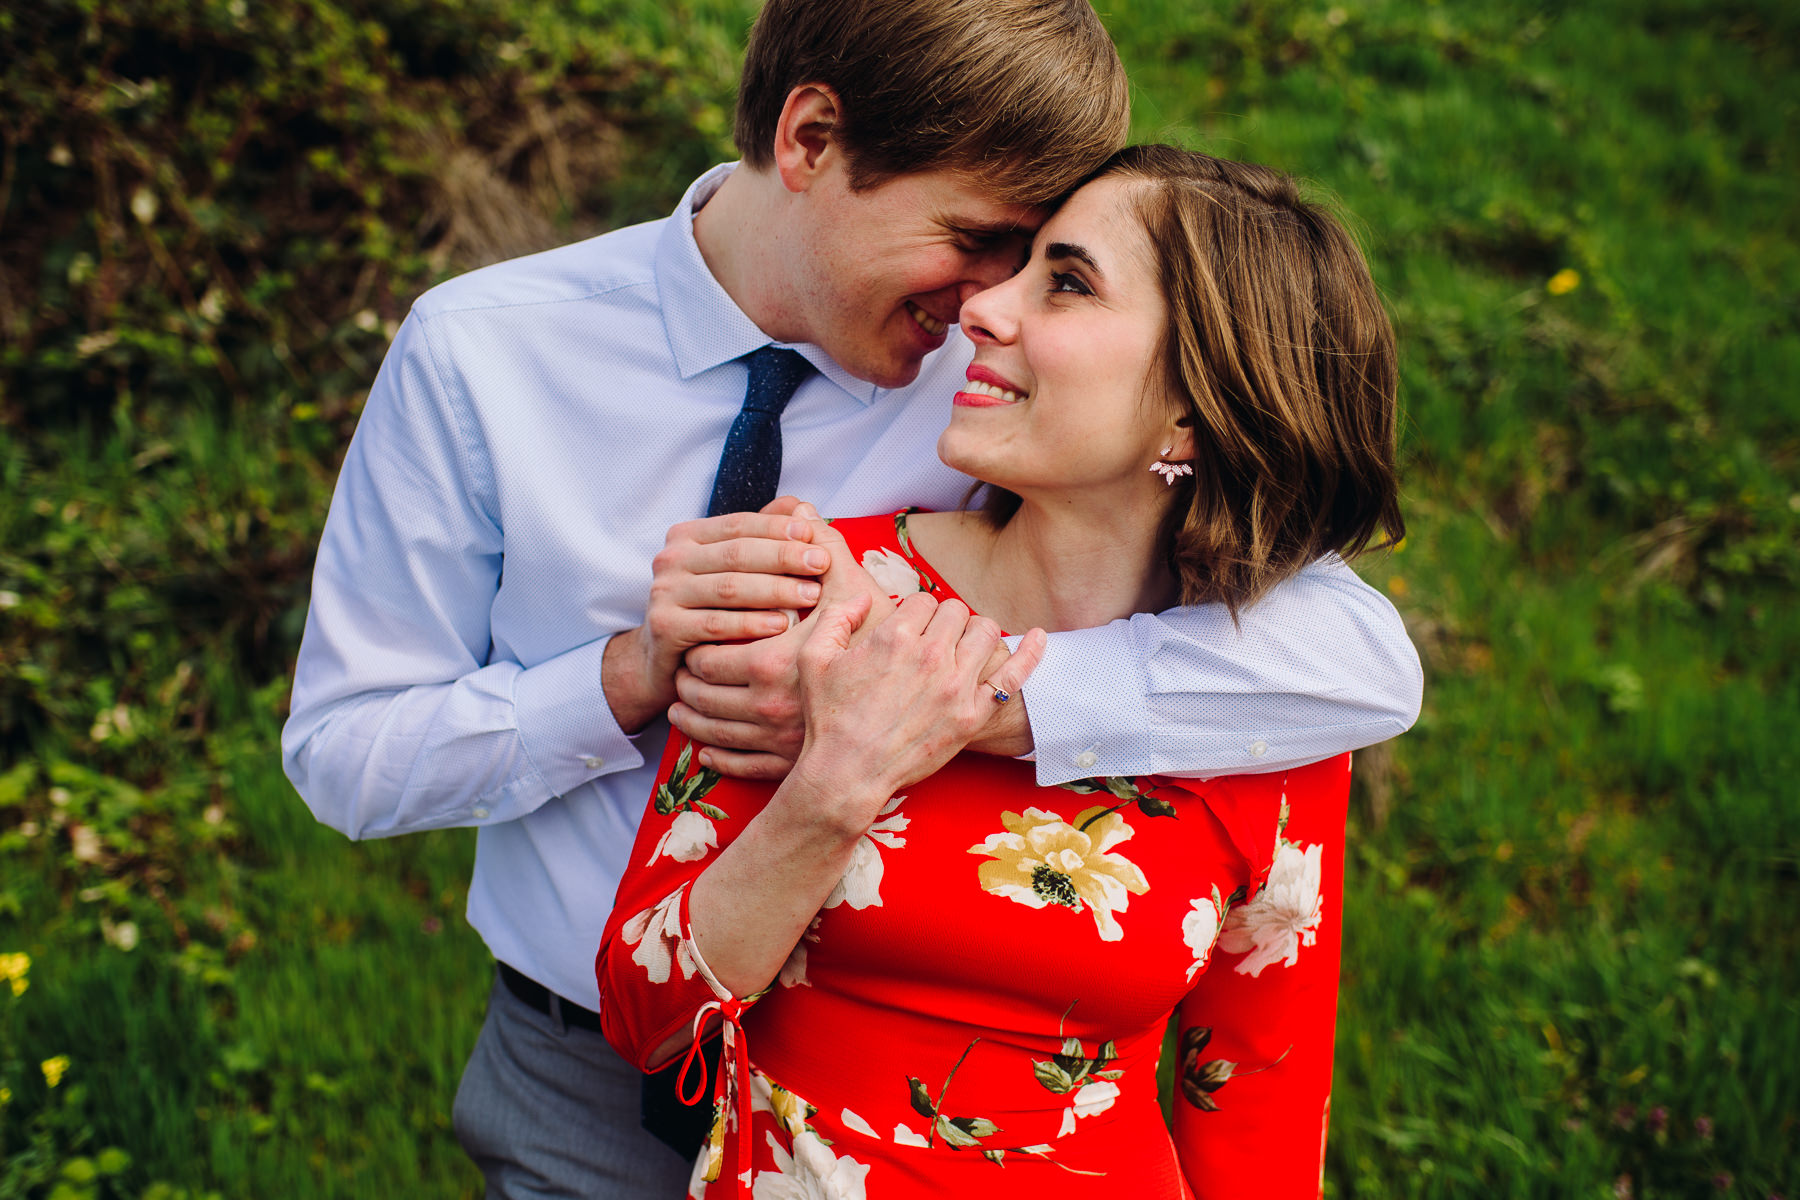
pixel 653 981
pixel 1255 1035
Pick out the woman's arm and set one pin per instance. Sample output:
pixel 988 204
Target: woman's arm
pixel 885 706
pixel 1254 1037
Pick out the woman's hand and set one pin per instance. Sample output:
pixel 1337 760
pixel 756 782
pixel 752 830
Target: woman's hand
pixel 888 704
pixel 743 701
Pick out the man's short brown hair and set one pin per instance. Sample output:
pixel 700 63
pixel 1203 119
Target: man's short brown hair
pixel 1023 96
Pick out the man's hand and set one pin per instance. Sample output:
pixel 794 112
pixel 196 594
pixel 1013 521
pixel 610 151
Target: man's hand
pixel 743 702
pixel 725 578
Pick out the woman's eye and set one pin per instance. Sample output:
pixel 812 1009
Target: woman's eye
pixel 1071 284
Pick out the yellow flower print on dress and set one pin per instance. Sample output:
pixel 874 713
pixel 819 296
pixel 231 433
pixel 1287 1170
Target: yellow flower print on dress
pixel 1042 860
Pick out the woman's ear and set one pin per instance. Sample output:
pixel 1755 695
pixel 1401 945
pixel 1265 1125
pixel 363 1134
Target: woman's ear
pixel 805 141
pixel 1180 440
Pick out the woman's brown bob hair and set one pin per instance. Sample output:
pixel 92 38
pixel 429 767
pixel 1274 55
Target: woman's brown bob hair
pixel 1281 356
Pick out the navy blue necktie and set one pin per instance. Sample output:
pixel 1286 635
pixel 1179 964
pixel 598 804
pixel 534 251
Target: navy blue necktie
pixel 750 467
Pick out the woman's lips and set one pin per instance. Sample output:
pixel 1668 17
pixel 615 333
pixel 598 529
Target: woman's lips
pixel 988 388
pixel 967 399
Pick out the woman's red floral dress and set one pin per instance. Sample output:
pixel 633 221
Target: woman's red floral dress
pixel 980 1006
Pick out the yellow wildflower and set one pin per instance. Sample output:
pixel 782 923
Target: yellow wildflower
pixel 13 969
pixel 1042 860
pixel 5 1096
pixel 54 1069
pixel 1563 282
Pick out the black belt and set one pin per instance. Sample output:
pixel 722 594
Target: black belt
pixel 548 1002
pixel 681 1127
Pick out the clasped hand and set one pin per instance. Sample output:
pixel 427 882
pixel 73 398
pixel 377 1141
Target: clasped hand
pixel 716 604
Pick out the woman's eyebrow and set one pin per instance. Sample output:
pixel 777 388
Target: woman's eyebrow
pixel 1078 253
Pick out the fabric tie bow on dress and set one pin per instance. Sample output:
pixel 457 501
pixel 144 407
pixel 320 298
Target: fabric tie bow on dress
pixel 750 466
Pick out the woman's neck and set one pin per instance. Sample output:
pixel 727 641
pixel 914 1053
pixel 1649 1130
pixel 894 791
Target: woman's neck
pixel 1059 565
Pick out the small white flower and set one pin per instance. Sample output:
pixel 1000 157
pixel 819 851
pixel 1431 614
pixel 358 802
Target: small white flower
pixel 144 204
pixel 811 1172
pixel 1284 915
pixel 656 932
pixel 84 844
pixel 1089 1100
pixel 1200 929
pixel 688 839
pixel 892 573
pixel 861 885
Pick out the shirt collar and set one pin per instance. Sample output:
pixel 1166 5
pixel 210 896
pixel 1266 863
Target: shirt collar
pixel 705 326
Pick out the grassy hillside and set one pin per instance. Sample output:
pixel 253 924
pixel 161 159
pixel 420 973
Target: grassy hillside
pixel 1571 965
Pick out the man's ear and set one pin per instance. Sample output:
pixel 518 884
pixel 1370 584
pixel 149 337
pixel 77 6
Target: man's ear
pixel 805 135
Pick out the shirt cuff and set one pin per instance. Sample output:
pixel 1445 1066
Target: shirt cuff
pixel 568 732
pixel 1086 706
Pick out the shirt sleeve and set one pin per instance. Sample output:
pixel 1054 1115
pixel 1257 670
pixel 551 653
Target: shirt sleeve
pixel 652 978
pixel 1320 666
pixel 1255 1035
pixel 399 721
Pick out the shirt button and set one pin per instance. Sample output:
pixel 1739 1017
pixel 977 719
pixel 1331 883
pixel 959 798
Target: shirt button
pixel 1258 749
pixel 481 814
pixel 593 762
pixel 1086 759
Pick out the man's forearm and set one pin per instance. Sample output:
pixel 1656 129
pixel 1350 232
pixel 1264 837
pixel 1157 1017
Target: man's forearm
pixel 633 689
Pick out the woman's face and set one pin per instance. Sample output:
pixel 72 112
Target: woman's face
pixel 1064 391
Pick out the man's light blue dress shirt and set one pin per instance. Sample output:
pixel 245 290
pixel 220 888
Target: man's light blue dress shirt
pixel 536 428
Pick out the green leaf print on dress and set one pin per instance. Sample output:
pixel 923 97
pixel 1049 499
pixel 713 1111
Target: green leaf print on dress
pixel 1082 1077
pixel 1127 790
pixel 691 836
pixel 1199 1080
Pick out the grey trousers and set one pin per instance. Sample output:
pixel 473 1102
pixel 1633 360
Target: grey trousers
pixel 545 1110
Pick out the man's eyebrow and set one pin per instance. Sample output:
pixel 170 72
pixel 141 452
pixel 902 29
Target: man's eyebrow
pixel 1078 253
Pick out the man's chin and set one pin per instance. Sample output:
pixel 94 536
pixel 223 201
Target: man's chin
pixel 890 374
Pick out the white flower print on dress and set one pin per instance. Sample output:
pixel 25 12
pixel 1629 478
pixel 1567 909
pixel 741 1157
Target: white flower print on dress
pixel 656 932
pixel 1284 915
pixel 1086 1101
pixel 1200 929
pixel 861 885
pixel 906 1137
pixel 811 1172
pixel 855 1122
pixel 892 573
pixel 793 971
pixel 688 839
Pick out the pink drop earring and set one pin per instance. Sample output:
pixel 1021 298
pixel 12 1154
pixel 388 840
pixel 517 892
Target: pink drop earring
pixel 1170 470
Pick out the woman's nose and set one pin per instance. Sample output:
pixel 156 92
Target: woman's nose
pixel 987 316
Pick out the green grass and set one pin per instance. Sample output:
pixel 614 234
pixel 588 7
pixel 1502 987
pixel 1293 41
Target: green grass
pixel 1572 966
